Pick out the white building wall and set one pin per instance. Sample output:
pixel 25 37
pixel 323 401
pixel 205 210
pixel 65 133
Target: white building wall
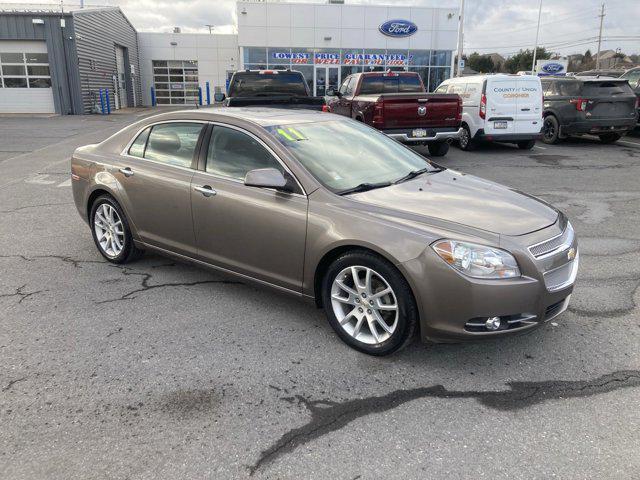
pixel 216 54
pixel 348 26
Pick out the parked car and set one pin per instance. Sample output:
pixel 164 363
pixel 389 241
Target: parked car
pixel 397 104
pixel 633 77
pixel 611 72
pixel 605 107
pixel 331 210
pixel 281 88
pixel 498 108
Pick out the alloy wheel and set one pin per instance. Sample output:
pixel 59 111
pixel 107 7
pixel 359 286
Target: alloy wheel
pixel 464 138
pixel 549 130
pixel 364 304
pixel 109 230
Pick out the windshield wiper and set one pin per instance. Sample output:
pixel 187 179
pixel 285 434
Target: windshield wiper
pixel 411 174
pixel 363 187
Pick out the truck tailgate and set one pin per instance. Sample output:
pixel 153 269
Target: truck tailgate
pixel 410 110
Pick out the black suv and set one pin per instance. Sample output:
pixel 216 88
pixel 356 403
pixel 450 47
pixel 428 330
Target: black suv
pixel 600 106
pixel 633 77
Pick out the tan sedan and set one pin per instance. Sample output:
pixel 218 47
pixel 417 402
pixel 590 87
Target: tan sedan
pixel 331 210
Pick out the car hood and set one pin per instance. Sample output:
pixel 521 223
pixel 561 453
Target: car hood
pixel 464 199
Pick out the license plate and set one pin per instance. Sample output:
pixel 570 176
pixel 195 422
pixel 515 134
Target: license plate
pixel 498 125
pixel 419 133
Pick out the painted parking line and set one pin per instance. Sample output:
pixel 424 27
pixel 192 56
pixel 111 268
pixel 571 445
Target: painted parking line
pixel 66 183
pixel 626 142
pixel 40 179
pixel 541 148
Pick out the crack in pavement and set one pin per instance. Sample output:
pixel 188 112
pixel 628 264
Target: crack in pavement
pixel 145 287
pixel 63 258
pixel 17 209
pixel 12 383
pixel 20 293
pixel 336 415
pixel 613 312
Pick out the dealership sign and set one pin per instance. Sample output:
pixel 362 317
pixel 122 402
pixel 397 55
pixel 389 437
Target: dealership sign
pixel 294 57
pixel 376 59
pixel 551 67
pixel 398 28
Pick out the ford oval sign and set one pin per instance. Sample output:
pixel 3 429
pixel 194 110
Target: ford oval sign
pixel 398 28
pixel 552 68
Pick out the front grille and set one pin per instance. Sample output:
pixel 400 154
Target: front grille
pixel 563 276
pixel 553 245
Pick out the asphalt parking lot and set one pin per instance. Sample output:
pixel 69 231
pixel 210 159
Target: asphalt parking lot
pixel 163 370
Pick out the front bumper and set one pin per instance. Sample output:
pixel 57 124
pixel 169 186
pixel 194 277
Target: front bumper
pixel 433 135
pixel 454 307
pixel 600 126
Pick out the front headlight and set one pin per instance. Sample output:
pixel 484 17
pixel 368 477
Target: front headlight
pixel 478 261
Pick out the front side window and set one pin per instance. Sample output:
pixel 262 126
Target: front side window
pixel 232 154
pixel 173 143
pixel 342 154
pixel 344 86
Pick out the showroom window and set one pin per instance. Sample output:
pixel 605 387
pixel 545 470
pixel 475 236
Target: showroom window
pixel 175 81
pixel 24 70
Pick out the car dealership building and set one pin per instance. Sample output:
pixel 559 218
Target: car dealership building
pixel 88 50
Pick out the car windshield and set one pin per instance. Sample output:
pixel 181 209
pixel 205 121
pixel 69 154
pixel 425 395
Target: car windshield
pixel 345 154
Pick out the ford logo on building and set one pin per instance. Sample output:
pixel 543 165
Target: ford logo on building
pixel 552 68
pixel 398 28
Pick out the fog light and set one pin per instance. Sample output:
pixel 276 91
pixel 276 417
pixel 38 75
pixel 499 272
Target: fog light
pixel 492 323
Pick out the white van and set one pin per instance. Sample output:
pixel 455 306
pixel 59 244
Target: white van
pixel 498 108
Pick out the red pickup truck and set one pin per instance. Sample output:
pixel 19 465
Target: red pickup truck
pixel 397 104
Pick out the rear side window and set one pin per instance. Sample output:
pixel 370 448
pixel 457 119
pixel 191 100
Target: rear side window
pixel 232 154
pixel 399 84
pixel 606 88
pixel 173 143
pixel 568 89
pixel 137 147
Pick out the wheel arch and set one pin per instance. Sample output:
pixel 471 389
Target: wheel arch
pixel 102 189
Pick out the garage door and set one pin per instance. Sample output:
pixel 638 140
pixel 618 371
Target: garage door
pixel 25 78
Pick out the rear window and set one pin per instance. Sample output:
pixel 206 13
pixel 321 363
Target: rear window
pixel 251 84
pixel 399 84
pixel 606 88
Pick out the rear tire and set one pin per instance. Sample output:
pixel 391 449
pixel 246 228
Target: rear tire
pixel 111 232
pixel 550 130
pixel 465 142
pixel 355 311
pixel 526 144
pixel 610 137
pixel 438 149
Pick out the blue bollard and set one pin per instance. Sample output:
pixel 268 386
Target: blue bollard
pixel 101 103
pixel 106 92
pixel 208 95
pixel 200 95
pixel 153 97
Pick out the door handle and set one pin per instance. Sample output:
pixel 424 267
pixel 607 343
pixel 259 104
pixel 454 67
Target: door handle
pixel 206 190
pixel 127 172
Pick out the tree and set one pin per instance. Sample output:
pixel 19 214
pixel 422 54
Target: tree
pixel 480 63
pixel 523 59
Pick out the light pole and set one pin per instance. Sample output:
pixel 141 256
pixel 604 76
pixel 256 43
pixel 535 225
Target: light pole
pixel 535 47
pixel 211 27
pixel 460 38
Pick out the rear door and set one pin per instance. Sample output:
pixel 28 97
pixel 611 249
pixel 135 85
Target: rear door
pixel 502 105
pixel 529 105
pixel 609 100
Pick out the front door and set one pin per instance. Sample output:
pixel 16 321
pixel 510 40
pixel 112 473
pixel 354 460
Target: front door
pixel 326 77
pixel 154 178
pixel 253 231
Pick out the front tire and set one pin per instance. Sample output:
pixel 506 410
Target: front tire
pixel 526 144
pixel 550 130
pixel 369 303
pixel 438 149
pixel 111 232
pixel 610 137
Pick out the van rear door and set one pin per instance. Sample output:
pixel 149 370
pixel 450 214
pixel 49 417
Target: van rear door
pixel 502 105
pixel 529 105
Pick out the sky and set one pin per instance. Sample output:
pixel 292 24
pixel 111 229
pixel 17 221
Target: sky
pixel 567 26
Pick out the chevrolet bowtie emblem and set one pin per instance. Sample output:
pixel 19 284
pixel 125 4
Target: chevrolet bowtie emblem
pixel 571 254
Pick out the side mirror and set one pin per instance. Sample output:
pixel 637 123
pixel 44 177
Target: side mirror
pixel 267 178
pixel 332 92
pixel 219 97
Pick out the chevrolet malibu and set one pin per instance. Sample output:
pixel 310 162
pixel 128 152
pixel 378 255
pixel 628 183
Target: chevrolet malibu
pixel 329 209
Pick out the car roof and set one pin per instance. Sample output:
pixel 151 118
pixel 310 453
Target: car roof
pixel 264 116
pixel 599 78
